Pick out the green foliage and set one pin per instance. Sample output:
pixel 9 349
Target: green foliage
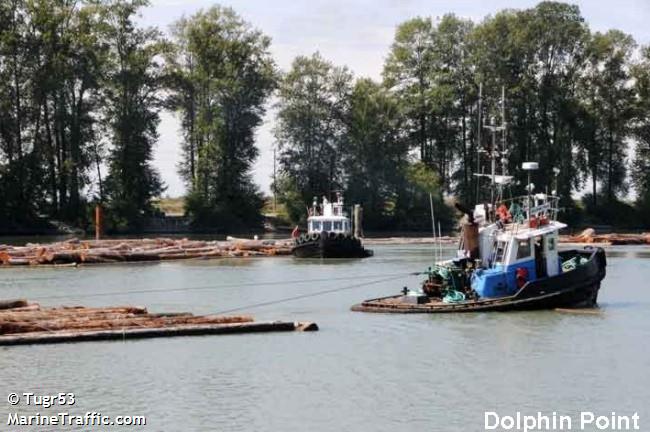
pixel 133 82
pixel 290 197
pixel 222 74
pixel 310 129
pixel 412 208
pixel 607 110
pixel 641 132
pixel 612 212
pixel 375 153
pixel 81 88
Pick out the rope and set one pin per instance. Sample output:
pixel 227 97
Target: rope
pixel 209 287
pixel 303 296
pixel 453 296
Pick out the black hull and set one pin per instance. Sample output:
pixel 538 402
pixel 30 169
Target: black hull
pixel 574 289
pixel 326 247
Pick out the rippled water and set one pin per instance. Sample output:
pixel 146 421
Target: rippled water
pixel 361 372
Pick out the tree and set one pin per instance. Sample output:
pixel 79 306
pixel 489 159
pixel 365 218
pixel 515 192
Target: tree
pixel 641 164
pixel 609 105
pixel 536 54
pixel 375 154
pixel 226 73
pixel 310 132
pixel 132 97
pixel 408 71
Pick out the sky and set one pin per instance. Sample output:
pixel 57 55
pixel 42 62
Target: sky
pixel 355 33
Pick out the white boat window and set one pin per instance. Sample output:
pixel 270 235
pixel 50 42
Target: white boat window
pixel 315 226
pixel 327 225
pixel 523 249
pixel 551 243
pixel 338 225
pixel 499 251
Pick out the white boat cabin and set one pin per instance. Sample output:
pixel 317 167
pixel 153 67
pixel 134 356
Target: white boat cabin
pixel 328 217
pixel 520 246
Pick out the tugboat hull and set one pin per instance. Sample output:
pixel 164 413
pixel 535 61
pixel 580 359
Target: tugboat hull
pixel 329 246
pixel 576 288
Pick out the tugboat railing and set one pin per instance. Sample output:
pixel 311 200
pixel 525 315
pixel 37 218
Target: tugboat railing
pixel 548 207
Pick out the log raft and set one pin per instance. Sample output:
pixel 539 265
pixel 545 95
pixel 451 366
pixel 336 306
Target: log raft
pixel 590 236
pixel 74 252
pixel 25 323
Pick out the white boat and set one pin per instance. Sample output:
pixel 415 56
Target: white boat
pixel 329 233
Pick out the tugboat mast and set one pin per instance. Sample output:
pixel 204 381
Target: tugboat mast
pixel 494 153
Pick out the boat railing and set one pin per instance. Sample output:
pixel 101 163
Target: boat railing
pixel 525 208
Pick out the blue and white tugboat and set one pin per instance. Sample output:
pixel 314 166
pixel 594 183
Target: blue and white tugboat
pixel 329 233
pixel 508 259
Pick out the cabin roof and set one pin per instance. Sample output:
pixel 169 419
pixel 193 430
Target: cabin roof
pixel 523 232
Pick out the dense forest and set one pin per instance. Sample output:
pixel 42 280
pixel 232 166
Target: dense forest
pixel 82 87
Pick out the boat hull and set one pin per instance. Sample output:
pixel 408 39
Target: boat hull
pixel 326 246
pixel 573 289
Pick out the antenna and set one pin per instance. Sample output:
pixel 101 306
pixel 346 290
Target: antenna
pixel 275 186
pixel 439 241
pixel 529 166
pixel 504 125
pixel 478 142
pixel 494 152
pixel 433 224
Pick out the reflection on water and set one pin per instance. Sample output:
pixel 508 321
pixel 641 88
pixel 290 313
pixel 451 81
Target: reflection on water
pixel 361 372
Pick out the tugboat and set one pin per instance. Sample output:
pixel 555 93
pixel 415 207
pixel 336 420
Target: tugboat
pixel 329 234
pixel 511 263
pixel 507 258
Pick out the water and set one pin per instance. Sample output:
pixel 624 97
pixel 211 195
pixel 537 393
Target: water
pixel 361 372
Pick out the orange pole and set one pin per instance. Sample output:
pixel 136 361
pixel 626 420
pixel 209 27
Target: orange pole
pixel 98 221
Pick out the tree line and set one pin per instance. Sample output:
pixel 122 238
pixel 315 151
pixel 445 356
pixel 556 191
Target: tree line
pixel 576 101
pixel 82 86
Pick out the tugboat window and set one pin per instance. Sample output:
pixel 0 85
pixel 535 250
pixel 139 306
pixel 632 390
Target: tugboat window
pixel 338 225
pixel 316 226
pixel 551 243
pixel 327 226
pixel 523 249
pixel 499 251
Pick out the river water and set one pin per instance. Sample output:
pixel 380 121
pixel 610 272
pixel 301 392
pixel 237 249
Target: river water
pixel 360 372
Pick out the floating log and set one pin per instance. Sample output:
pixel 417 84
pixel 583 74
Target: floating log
pixel 589 235
pixel 24 323
pixel 75 251
pixel 138 333
pixel 579 311
pixel 12 304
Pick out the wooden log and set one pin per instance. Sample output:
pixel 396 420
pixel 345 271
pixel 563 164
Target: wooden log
pixel 580 311
pixel 40 314
pixel 123 334
pixel 107 322
pixel 18 262
pixel 12 304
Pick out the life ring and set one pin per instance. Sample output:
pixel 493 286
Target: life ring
pixel 314 236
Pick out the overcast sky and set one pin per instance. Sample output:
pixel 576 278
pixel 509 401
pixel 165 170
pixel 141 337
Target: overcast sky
pixel 356 33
